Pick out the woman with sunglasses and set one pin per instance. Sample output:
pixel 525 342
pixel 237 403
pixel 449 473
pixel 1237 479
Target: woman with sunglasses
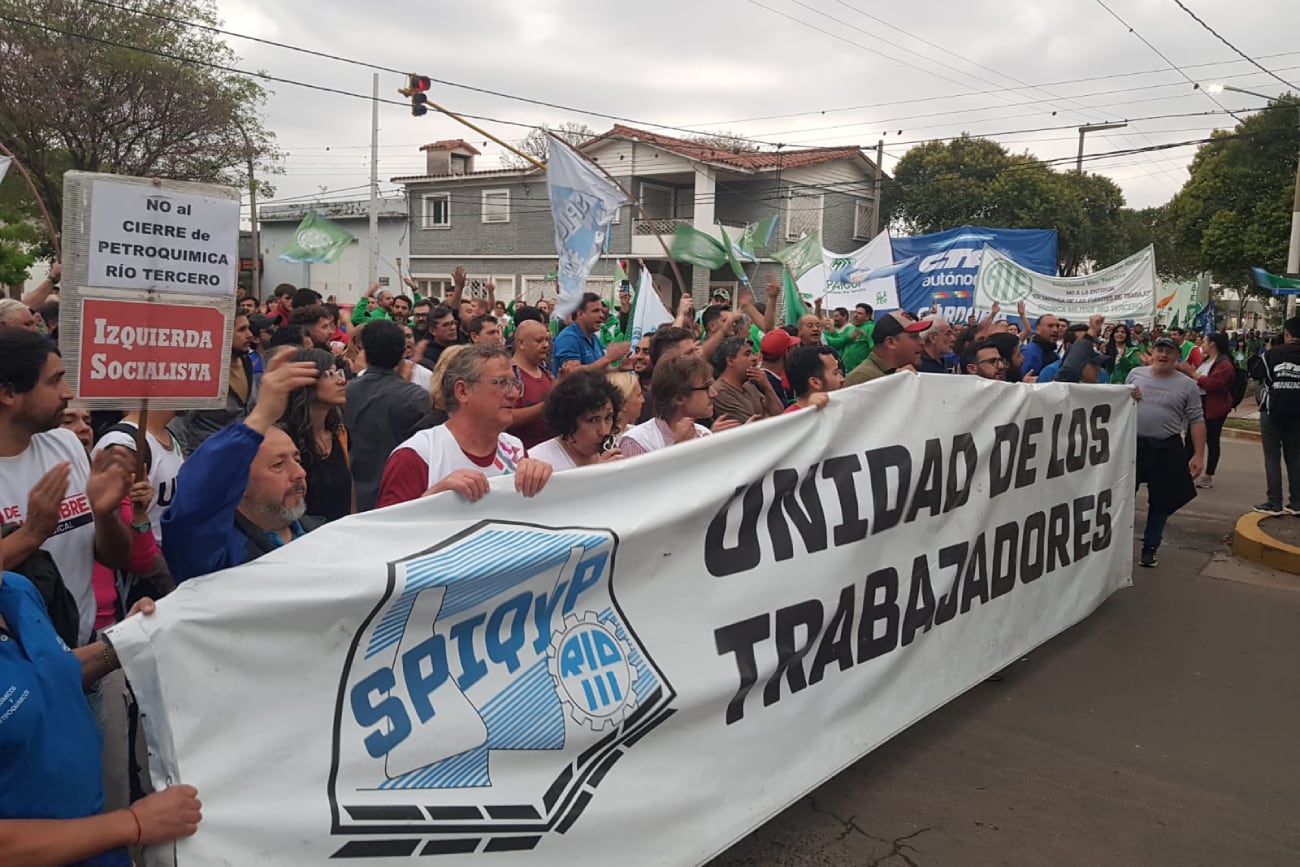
pixel 313 419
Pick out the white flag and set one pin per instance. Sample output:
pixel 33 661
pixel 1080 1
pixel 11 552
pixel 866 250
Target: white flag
pixel 648 310
pixel 583 203
pixel 4 166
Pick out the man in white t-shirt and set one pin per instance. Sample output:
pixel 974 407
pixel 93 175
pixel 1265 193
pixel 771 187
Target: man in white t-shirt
pixel 164 464
pixel 480 389
pixel 66 506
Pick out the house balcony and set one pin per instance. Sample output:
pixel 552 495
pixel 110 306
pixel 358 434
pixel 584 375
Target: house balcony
pixel 664 226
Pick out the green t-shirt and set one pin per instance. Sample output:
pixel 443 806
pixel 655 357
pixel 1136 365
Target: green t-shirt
pixel 363 312
pixel 853 349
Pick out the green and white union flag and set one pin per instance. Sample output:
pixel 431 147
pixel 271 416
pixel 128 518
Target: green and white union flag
pixel 316 240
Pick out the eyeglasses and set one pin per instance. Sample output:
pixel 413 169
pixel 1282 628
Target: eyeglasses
pixel 335 373
pixel 996 362
pixel 505 384
pixel 708 385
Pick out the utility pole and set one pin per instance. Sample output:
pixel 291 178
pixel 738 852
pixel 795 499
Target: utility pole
pixel 252 213
pixel 372 273
pixel 1092 127
pixel 878 187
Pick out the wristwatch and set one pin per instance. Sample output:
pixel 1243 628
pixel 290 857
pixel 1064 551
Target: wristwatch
pixel 143 527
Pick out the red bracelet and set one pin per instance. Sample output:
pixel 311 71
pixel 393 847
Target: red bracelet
pixel 139 832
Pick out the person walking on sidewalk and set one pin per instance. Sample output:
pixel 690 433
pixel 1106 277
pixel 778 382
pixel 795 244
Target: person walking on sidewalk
pixel 1279 421
pixel 1168 404
pixel 1214 377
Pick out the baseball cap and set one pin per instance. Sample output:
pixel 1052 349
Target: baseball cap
pixel 896 323
pixel 724 294
pixel 257 322
pixel 777 342
pixel 1167 342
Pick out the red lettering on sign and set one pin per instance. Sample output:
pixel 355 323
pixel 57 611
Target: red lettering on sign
pixel 73 506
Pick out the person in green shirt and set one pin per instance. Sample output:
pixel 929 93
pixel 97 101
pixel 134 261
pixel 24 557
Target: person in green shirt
pixel 1123 354
pixel 854 342
pixel 372 307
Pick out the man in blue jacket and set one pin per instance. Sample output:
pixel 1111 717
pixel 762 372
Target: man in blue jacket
pixel 1040 351
pixel 247 487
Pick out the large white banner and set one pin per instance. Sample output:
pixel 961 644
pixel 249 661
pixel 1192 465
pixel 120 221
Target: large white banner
pixel 865 276
pixel 649 659
pixel 1125 290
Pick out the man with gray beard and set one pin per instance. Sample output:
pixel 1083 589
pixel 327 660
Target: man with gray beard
pixel 248 489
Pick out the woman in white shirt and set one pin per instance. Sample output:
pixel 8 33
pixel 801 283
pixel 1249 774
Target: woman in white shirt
pixel 581 410
pixel 683 390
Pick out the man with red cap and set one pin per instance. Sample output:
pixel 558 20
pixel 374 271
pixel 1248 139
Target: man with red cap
pixel 774 347
pixel 898 341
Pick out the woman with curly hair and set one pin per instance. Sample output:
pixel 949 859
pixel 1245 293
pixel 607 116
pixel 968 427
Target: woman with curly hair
pixel 313 419
pixel 581 410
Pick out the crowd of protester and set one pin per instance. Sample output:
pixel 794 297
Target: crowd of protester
pixel 329 414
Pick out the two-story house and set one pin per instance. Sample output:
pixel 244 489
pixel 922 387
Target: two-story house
pixel 497 223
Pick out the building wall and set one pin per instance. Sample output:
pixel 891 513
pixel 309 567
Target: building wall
pixel 345 278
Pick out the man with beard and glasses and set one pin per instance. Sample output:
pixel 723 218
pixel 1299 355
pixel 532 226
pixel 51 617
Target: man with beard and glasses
pixel 243 492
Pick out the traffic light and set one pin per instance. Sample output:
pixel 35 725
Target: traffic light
pixel 416 88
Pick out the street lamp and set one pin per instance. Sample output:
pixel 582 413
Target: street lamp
pixel 1093 127
pixel 1293 250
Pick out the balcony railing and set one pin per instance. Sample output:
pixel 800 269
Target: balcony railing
pixel 664 226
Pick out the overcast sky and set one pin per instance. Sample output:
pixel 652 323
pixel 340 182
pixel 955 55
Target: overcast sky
pixel 798 72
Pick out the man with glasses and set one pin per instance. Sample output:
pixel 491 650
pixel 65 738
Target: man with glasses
pixel 443 332
pixel 985 360
pixel 479 389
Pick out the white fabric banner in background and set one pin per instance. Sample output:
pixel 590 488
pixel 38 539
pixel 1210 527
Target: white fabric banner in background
pixel 865 276
pixel 1125 290
pixel 650 658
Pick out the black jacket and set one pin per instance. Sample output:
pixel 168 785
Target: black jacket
pixel 1282 378
pixel 381 410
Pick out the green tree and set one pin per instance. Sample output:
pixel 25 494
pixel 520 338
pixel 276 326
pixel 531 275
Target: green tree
pixel 1234 212
pixel 975 181
pixel 77 102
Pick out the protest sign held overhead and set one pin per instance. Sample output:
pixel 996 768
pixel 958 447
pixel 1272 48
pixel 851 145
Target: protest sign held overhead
pixel 148 290
pixel 452 678
pixel 1125 290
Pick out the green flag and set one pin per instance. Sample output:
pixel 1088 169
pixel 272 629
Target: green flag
pixel 1268 280
pixel 736 268
pixel 794 307
pixel 755 237
pixel 696 248
pixel 801 256
pixel 316 240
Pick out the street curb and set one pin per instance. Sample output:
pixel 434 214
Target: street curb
pixel 1235 434
pixel 1251 542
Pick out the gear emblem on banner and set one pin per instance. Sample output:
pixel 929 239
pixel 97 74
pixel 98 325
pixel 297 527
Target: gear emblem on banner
pixel 592 671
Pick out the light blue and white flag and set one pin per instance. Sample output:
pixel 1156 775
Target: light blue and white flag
pixel 583 204
pixel 4 166
pixel 648 310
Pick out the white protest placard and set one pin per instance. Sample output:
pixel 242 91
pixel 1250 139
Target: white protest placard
pixel 149 279
pixel 1125 290
pixel 560 682
pixel 865 276
pixel 160 239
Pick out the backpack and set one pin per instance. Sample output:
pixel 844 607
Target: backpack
pixel 1238 387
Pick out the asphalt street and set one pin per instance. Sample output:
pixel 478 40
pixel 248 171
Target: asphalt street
pixel 1163 730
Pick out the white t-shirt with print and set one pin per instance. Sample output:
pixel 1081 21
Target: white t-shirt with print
pixel 73 543
pixel 165 467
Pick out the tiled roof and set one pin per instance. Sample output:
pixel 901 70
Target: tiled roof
pixel 451 144
pixel 786 159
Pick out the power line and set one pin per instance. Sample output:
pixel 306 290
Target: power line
pixel 978 92
pixel 1161 54
pixel 1241 53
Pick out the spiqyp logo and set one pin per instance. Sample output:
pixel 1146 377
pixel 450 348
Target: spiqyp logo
pixel 488 694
